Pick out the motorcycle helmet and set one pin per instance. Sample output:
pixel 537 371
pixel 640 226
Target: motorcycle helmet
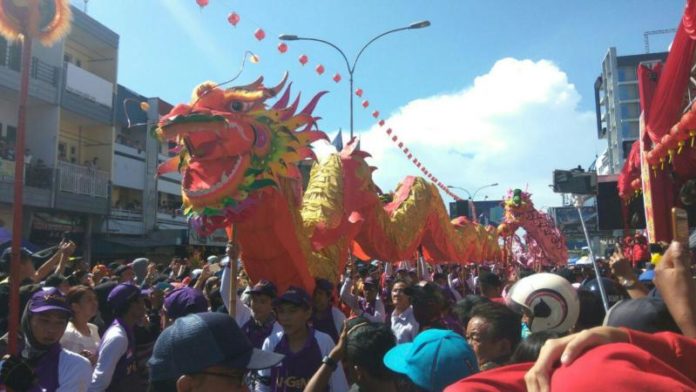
pixel 550 301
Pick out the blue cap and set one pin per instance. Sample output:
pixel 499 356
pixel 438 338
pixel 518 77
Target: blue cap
pixel 435 359
pixel 295 296
pixel 201 340
pixel 647 276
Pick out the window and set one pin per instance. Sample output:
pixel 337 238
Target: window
pixel 630 110
pixel 628 92
pixel 11 134
pixel 628 73
pixel 629 129
pixel 3 51
pixel 14 60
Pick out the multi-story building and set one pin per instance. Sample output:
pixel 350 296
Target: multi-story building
pixel 90 162
pixel 617 104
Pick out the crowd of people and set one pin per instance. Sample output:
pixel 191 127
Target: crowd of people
pixel 140 326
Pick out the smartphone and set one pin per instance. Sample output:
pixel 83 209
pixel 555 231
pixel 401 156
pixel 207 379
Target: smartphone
pixel 680 225
pixel 214 268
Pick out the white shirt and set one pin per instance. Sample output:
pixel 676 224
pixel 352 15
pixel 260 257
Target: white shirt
pixel 404 326
pixel 338 318
pixel 242 312
pixel 114 346
pixel 337 383
pixel 75 341
pixel 352 301
pixel 74 372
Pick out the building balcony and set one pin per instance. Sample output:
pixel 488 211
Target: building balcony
pixel 82 189
pixel 87 94
pixel 129 167
pixel 38 181
pixel 43 77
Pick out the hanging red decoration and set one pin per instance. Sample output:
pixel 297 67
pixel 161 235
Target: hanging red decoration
pixel 282 47
pixel 233 18
pixel 359 92
pixel 337 77
pixel 375 114
pixel 319 69
pixel 410 156
pixel 381 123
pixel 401 144
pixel 365 103
pixel 260 34
pixel 303 59
pixel 418 164
pixel 202 3
pixel 406 152
pixel 389 131
pixel 395 138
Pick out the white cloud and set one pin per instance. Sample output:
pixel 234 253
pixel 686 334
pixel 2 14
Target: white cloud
pixel 513 125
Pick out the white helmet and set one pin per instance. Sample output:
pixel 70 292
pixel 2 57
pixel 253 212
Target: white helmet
pixel 213 259
pixel 549 298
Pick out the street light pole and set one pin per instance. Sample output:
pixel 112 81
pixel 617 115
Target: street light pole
pixel 351 69
pixel 471 198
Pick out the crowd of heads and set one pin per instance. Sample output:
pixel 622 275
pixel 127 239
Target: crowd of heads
pixel 413 326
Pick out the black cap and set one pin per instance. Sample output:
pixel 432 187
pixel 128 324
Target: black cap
pixel 6 257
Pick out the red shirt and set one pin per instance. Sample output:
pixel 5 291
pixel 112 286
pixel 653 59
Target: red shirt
pixel 652 362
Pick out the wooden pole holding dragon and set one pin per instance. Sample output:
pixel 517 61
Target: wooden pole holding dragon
pixel 47 22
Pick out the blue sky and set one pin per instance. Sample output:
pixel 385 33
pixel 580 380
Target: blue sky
pixel 438 86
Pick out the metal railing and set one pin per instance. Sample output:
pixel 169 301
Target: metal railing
pixel 82 180
pixel 41 70
pixel 125 214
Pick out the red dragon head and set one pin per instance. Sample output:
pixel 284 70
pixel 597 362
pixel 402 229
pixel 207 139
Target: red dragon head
pixel 229 144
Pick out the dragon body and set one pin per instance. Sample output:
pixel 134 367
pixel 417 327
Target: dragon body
pixel 544 243
pixel 239 162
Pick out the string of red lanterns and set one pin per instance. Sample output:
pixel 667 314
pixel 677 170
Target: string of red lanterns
pixel 234 18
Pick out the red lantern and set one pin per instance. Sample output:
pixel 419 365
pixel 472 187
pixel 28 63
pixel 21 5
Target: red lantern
pixel 418 164
pixel 282 47
pixel 202 3
pixel 260 34
pixel 406 152
pixel 395 138
pixel 359 92
pixel 409 156
pixel 389 131
pixel 401 144
pixel 381 123
pixel 375 114
pixel 233 18
pixel 365 103
pixel 319 69
pixel 303 59
pixel 337 77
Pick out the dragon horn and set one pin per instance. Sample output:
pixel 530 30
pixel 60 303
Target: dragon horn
pixel 252 86
pixel 283 101
pixel 313 103
pixel 272 92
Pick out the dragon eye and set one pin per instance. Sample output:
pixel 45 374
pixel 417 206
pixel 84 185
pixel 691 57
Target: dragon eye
pixel 238 106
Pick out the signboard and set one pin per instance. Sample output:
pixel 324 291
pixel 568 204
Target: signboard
pixel 7 170
pixel 489 212
pixel 568 220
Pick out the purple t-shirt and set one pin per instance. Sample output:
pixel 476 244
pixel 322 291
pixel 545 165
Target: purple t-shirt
pixel 297 368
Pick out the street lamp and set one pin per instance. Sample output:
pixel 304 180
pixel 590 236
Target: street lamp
pixel 471 198
pixel 475 192
pixel 351 69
